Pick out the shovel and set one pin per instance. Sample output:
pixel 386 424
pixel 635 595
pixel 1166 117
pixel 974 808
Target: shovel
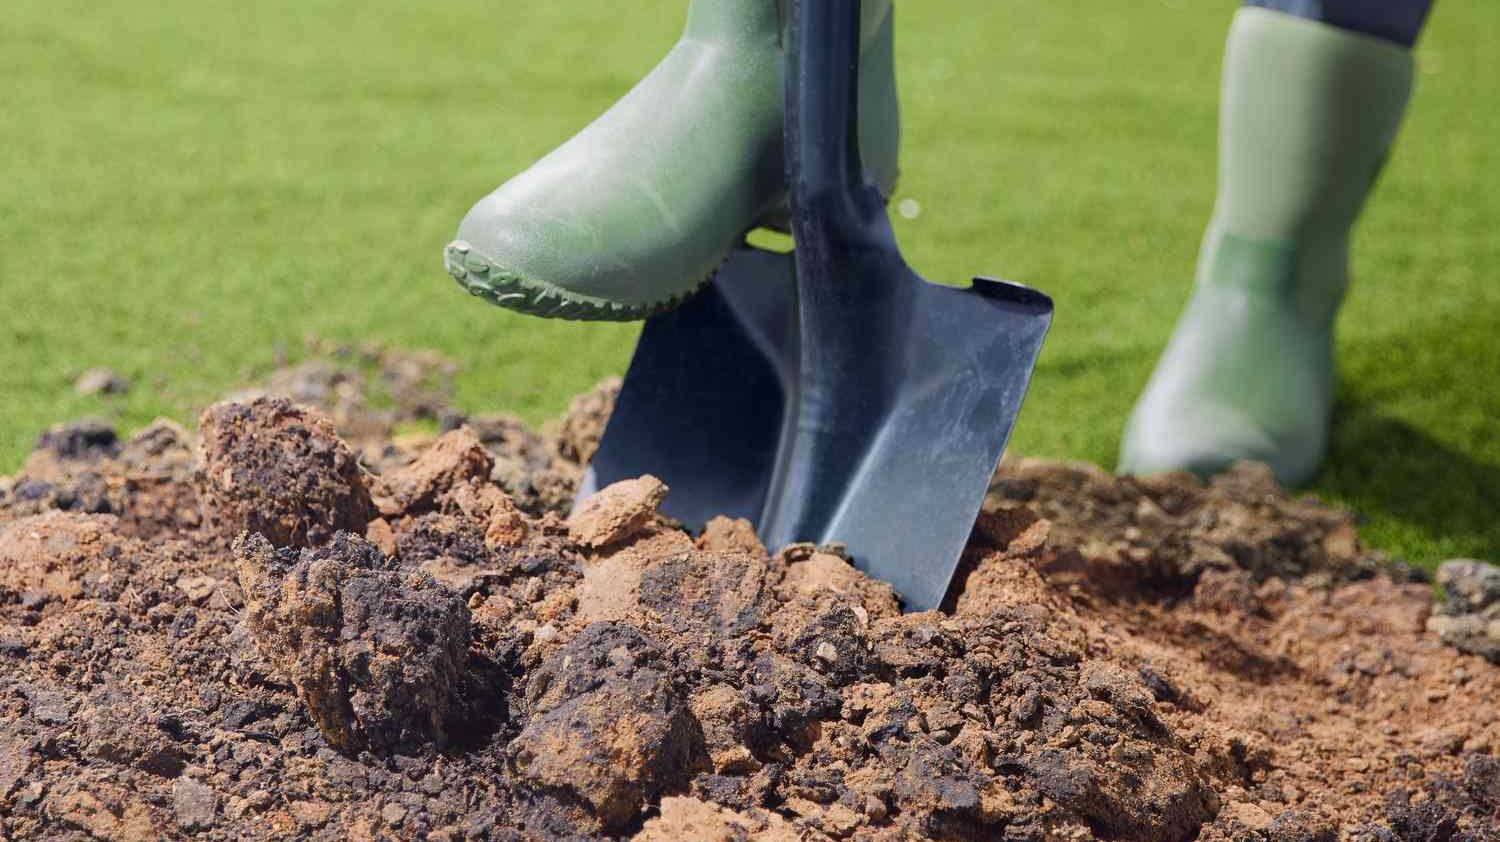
pixel 830 395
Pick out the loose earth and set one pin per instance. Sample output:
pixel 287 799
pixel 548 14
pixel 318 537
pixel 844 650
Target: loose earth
pixel 299 624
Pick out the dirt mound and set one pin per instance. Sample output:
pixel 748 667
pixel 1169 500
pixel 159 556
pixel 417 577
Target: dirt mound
pixel 85 467
pixel 423 646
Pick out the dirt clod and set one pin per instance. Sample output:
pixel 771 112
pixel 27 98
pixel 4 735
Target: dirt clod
pixel 193 803
pixel 376 654
pixel 607 726
pixel 279 469
pixel 146 480
pixel 456 458
pixel 616 512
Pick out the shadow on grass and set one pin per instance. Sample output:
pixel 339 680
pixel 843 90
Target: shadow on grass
pixel 1379 465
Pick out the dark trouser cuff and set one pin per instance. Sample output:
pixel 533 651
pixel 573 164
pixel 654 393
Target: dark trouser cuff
pixel 1394 20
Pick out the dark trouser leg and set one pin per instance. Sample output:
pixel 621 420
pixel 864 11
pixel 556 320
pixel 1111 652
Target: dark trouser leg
pixel 1394 20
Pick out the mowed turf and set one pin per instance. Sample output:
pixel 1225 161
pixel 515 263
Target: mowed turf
pixel 188 189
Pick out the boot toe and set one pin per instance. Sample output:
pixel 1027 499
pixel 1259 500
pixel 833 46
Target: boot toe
pixel 1207 440
pixel 526 265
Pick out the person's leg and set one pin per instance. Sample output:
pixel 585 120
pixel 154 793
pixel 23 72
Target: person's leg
pixel 1308 113
pixel 641 207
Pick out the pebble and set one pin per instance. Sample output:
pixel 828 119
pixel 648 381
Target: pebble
pixel 100 381
pixel 193 803
pixel 48 707
pixel 1469 618
pixel 198 588
pixel 310 813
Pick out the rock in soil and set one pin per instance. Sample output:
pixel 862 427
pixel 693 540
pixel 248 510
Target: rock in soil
pixel 1122 658
pixel 1469 619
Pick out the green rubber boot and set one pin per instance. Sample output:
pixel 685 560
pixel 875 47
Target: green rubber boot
pixel 1308 113
pixel 641 207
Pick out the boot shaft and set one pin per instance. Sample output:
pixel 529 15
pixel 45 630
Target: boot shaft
pixel 1308 113
pixel 753 22
pixel 733 21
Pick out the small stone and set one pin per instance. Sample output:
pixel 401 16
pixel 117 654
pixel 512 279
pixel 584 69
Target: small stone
pixel 260 799
pixel 48 707
pixel 380 533
pixel 507 528
pixel 310 814
pixel 1471 585
pixel 1249 815
pixel 100 381
pixel 193 803
pixel 198 588
pixel 393 814
pixel 827 652
pixel 724 534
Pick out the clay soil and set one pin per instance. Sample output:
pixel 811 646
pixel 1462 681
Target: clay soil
pixel 296 624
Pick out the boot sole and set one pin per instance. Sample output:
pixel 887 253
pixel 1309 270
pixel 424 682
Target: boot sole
pixel 503 288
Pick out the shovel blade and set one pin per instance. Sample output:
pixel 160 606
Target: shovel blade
pixel 720 404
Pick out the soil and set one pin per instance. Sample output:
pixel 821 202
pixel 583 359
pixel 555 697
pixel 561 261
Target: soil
pixel 316 624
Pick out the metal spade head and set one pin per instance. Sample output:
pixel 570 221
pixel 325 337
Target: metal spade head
pixel 832 394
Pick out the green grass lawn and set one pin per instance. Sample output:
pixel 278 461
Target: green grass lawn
pixel 187 186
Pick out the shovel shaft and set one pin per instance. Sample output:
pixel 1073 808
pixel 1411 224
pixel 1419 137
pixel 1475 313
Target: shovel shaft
pixel 852 305
pixel 825 177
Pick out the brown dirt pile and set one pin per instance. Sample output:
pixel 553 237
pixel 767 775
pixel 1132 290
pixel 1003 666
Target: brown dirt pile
pixel 272 633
